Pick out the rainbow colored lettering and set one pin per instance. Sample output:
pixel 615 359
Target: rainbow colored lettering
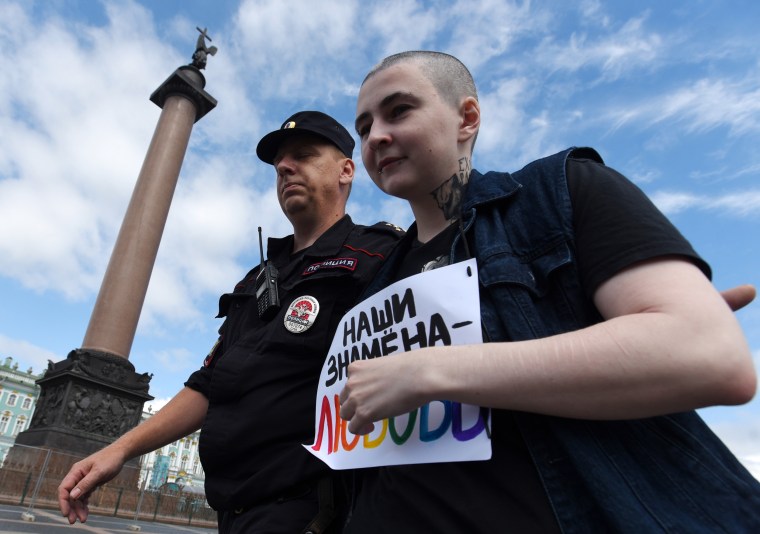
pixel 334 434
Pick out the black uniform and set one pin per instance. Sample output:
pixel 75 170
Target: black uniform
pixel 261 378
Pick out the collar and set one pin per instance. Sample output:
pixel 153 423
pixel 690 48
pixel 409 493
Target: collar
pixel 480 189
pixel 279 249
pixel 484 188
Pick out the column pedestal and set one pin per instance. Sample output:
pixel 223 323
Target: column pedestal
pixel 87 401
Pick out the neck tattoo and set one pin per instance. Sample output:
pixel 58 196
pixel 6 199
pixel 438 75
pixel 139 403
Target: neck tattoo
pixel 448 195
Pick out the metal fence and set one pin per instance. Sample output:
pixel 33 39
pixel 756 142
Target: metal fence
pixel 30 476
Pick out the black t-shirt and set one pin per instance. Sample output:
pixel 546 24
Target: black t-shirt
pixel 261 378
pixel 615 226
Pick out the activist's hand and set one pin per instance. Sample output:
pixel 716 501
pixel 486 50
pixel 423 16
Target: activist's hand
pixel 739 296
pixel 83 478
pixel 382 387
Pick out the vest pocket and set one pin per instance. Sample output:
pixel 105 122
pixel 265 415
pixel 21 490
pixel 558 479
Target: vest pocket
pixel 528 297
pixel 532 273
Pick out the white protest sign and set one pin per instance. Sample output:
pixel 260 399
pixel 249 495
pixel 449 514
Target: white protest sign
pixel 438 307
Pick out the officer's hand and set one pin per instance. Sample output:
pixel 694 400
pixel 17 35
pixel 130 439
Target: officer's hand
pixel 83 478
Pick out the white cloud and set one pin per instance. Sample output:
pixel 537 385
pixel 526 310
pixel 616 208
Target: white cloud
pixel 32 355
pixel 296 48
pixel 507 131
pixel 719 173
pixel 591 10
pixel 616 54
pixel 711 103
pixel 700 105
pixel 743 204
pixel 504 23
pixel 79 136
pixel 503 117
pixel 400 25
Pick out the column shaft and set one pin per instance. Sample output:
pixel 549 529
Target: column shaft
pixel 117 309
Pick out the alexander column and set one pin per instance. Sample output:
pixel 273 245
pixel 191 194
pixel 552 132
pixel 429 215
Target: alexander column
pixel 95 395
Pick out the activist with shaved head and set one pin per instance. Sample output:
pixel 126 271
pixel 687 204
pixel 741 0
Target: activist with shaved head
pixel 602 334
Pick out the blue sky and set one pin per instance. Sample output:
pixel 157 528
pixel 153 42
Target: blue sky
pixel 667 92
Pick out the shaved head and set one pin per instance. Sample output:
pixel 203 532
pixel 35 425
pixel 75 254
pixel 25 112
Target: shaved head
pixel 447 74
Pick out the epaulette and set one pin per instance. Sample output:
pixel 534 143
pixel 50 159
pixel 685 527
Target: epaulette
pixel 240 286
pixel 244 286
pixel 388 228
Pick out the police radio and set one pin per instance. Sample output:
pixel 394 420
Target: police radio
pixel 267 299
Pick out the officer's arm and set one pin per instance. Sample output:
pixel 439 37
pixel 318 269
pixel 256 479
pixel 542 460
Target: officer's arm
pixel 183 415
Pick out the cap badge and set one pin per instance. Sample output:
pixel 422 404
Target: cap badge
pixel 301 314
pixel 288 125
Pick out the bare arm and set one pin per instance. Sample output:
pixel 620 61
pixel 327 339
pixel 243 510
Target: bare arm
pixel 669 343
pixel 183 415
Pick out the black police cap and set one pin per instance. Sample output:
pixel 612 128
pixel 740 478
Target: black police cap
pixel 314 122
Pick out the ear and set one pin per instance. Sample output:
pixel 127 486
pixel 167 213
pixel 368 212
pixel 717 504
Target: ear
pixel 469 112
pixel 347 172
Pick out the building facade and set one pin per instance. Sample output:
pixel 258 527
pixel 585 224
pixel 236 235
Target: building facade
pixel 18 397
pixel 177 464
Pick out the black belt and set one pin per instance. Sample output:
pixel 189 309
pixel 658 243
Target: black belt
pixel 325 499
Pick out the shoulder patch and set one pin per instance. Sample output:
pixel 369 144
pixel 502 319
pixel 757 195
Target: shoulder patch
pixel 212 353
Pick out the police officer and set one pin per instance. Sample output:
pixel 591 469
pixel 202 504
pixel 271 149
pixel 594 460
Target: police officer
pixel 254 396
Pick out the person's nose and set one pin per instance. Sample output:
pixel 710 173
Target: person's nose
pixel 285 166
pixel 378 135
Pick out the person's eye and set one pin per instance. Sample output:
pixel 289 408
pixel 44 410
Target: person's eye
pixel 399 110
pixel 363 130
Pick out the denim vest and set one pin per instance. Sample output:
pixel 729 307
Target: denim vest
pixel 668 473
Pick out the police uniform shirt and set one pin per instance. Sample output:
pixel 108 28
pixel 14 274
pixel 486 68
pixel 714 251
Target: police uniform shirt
pixel 261 379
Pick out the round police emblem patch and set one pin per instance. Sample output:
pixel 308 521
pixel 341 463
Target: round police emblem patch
pixel 301 314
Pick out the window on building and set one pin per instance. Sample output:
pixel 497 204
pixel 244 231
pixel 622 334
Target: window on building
pixel 19 426
pixel 27 403
pixel 183 464
pixel 4 420
pixel 195 467
pixel 12 398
